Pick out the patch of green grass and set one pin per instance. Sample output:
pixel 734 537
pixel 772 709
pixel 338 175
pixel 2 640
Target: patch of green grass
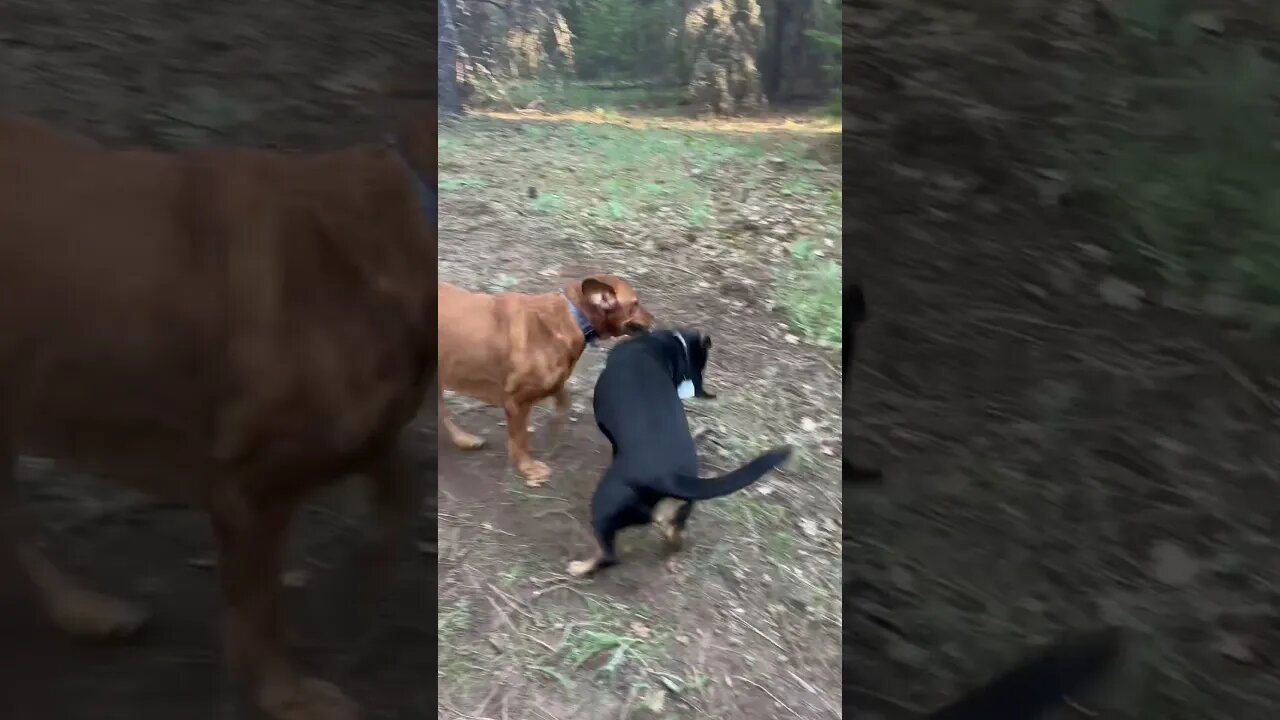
pixel 641 168
pixel 548 203
pixel 1190 173
pixel 699 214
pixel 797 186
pixel 808 291
pixel 451 621
pixel 448 184
pixel 447 148
pixel 585 645
pixel 502 283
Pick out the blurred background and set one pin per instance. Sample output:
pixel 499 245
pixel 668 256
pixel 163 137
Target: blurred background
pixel 296 74
pixel 1065 217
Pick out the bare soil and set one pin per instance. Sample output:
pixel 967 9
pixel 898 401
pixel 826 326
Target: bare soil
pixel 297 74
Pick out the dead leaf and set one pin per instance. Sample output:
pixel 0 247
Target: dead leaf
pixel 1234 647
pixel 641 630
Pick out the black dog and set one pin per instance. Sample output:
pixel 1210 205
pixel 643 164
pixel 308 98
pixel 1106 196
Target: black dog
pixel 638 406
pixel 854 314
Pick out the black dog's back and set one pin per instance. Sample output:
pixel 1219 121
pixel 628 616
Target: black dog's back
pixel 639 410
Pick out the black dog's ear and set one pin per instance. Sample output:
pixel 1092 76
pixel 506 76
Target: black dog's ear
pixel 704 340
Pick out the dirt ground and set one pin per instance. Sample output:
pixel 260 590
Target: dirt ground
pixel 743 623
pixel 296 74
pixel 1055 459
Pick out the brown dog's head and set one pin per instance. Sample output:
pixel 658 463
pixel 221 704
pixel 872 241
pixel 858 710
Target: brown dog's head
pixel 611 305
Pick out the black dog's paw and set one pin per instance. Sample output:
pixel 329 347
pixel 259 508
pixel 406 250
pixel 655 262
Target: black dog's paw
pixel 855 474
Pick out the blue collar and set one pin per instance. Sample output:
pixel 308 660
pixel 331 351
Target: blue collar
pixel 588 333
pixel 426 195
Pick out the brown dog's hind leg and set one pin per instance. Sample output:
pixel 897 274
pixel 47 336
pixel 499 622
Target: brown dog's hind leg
pixel 69 605
pixel 462 439
pixel 76 609
pixel 535 472
pixel 251 533
pixel 563 403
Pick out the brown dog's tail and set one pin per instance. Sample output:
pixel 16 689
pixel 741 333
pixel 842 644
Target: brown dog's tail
pixel 695 488
pixel 1040 682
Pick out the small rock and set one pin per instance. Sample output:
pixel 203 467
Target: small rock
pixel 1095 252
pixel 809 527
pixel 1233 647
pixel 808 424
pixel 1121 294
pixel 1208 22
pixel 295 578
pixel 907 653
pixel 902 578
pixel 1171 564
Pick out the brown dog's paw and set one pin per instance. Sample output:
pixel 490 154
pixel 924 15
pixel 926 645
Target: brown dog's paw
pixel 306 699
pixel 535 472
pixel 92 616
pixel 582 568
pixel 467 441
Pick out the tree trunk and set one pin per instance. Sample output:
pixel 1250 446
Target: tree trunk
pixel 720 42
pixel 447 58
pixel 792 65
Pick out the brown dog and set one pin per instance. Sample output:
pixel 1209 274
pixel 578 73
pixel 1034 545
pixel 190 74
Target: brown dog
pixel 514 351
pixel 232 328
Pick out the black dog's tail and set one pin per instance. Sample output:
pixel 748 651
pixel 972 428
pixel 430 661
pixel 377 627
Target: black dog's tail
pixel 695 488
pixel 1040 682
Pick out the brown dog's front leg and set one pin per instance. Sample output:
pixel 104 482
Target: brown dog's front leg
pixel 535 473
pixel 251 533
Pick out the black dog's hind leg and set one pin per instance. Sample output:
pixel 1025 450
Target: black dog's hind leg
pixel 853 473
pixel 670 517
pixel 603 558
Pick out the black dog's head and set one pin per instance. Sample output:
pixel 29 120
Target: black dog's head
pixel 691 359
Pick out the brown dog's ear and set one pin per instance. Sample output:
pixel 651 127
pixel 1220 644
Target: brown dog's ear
pixel 600 295
pixel 705 341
